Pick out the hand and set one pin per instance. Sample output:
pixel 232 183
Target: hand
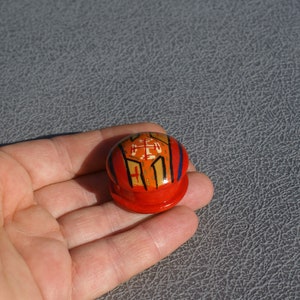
pixel 60 235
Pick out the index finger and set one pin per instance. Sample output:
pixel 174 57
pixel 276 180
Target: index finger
pixel 62 158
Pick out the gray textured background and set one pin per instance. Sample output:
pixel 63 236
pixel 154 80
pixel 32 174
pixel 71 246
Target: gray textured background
pixel 221 76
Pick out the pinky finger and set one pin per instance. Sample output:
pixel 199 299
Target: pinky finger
pixel 102 265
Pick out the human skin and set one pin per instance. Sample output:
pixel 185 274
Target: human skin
pixel 61 236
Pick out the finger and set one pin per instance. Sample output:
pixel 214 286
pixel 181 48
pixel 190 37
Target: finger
pixel 102 265
pixel 200 191
pixel 191 167
pixel 61 158
pixel 92 223
pixel 36 237
pixel 86 190
pixel 83 191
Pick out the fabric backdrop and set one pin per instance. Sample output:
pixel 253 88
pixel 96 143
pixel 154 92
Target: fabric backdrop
pixel 222 76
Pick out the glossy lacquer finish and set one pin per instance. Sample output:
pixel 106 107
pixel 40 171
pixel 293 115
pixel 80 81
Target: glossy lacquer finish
pixel 147 172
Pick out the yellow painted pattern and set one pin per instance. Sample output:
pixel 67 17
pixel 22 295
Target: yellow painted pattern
pixel 135 173
pixel 158 166
pixel 151 153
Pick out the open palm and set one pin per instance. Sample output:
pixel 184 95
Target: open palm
pixel 60 235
